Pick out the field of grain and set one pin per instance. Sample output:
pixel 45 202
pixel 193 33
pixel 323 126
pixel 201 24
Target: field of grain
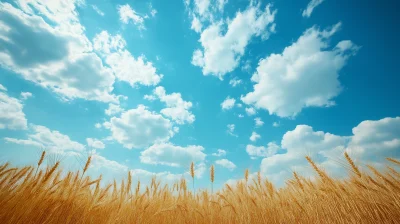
pixel 49 195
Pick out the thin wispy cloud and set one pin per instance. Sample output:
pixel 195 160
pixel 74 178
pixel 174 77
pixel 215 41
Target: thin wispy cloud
pixel 311 6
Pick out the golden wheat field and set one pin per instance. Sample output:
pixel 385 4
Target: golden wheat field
pixel 37 195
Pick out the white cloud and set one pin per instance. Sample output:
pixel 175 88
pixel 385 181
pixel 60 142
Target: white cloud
pixel 250 111
pixel 247 66
pixel 177 109
pixel 239 105
pixel 172 155
pixel 113 109
pixel 310 7
pixel 137 128
pixel 199 170
pixel 221 4
pixel 254 136
pixel 259 122
pixel 98 162
pixel 235 81
pixel 62 12
pixel 303 141
pixel 126 14
pixel 221 52
pixel 228 103
pixel 226 163
pixel 58 57
pixel 95 143
pixel 99 165
pixel 373 141
pixel 149 97
pixel 153 12
pixel 233 182
pixel 187 3
pixel 54 141
pixel 11 113
pixel 196 25
pixel 125 67
pixel 26 142
pixel 202 6
pixel 304 75
pixel 109 169
pixel 26 95
pixel 98 125
pixel 262 151
pixel 275 124
pixel 219 153
pixel 231 130
pixel 241 116
pixel 145 176
pixel 97 10
pixel 165 177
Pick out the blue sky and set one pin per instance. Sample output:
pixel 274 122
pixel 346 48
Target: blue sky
pixel 150 86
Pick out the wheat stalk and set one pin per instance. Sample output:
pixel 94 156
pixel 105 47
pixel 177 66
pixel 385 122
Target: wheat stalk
pixel 192 173
pixel 352 164
pixel 212 172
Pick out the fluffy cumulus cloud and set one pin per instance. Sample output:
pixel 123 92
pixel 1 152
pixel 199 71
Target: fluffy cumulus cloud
pixel 373 141
pixel 202 6
pixel 250 111
pixel 298 143
pixel 59 56
pixel 304 75
pixel 223 44
pixel 228 103
pixel 109 169
pixel 172 155
pixel 124 66
pixel 196 25
pixel 199 170
pixel 219 153
pixel 127 14
pixel 205 10
pixel 26 95
pixel 262 151
pixel 113 109
pixel 226 163
pixel 100 162
pixel 12 115
pixel 310 7
pixel 259 122
pixel 177 109
pixel 95 143
pixel 51 140
pixel 254 136
pixel 370 143
pixel 138 128
pixel 221 4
